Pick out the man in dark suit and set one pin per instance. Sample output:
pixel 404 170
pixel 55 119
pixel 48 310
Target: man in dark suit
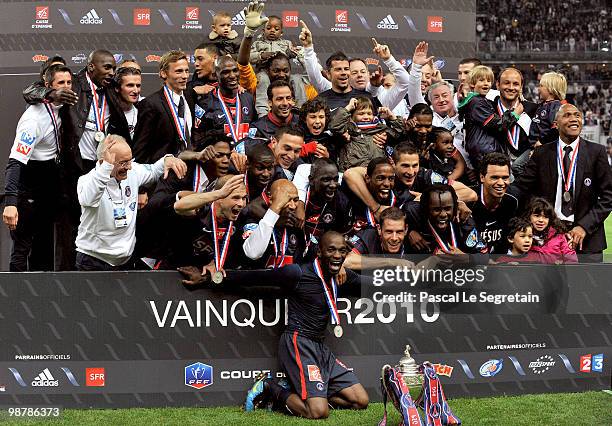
pixel 573 174
pixel 165 117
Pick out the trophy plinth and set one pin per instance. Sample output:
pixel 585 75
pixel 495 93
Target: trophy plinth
pixel 410 372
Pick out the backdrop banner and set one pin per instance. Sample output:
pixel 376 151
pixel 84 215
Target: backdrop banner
pixel 111 340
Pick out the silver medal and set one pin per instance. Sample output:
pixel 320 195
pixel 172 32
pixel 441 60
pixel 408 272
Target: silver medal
pixel 338 332
pixel 99 137
pixel 217 277
pixel 567 196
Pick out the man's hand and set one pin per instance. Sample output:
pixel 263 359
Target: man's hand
pixel 377 77
pixel 178 166
pixel 409 123
pixel 381 50
pixel 280 199
pixel 417 241
pixel 232 184
pixel 109 155
pixel 341 277
pixel 420 54
pixel 253 18
pixel 143 199
pixel 208 153
pixel 266 55
pixel 63 96
pixel 239 161
pixel 321 151
pixel 386 113
pixel 305 35
pixel 437 75
pixel 463 212
pixel 519 108
pixel 192 275
pixel 577 234
pixel 300 216
pixel 10 216
pixel 380 139
pixel 204 90
pixel 379 211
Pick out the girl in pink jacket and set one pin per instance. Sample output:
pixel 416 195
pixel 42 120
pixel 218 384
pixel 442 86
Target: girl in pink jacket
pixel 549 241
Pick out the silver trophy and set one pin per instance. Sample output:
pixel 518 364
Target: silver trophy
pixel 410 370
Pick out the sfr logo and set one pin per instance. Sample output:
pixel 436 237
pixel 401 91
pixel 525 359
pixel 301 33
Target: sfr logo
pixel 94 377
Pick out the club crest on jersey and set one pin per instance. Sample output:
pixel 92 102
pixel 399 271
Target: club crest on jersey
pixel 248 229
pixel 27 139
pixel 472 238
pixel 327 218
pixel 245 109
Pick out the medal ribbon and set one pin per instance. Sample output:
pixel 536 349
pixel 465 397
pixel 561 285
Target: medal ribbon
pixel 220 255
pixel 440 241
pixel 283 248
pixel 331 295
pixel 570 175
pixel 228 115
pixel 180 128
pixel 197 179
pixel 435 406
pixel 309 238
pixel 370 218
pixel 99 113
pixel 246 184
pixel 367 125
pixel 55 126
pixel 515 132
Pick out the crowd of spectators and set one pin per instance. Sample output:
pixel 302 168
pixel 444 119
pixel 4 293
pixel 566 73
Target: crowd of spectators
pixel 545 25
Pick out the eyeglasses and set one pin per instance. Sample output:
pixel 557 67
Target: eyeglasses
pixel 124 164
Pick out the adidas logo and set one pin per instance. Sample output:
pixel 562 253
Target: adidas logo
pixel 239 19
pixel 387 23
pixel 45 379
pixel 92 18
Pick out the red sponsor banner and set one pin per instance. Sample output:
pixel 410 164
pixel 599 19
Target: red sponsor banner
pixel 95 377
pixel 42 12
pixel 142 16
pixel 152 58
pixel 39 58
pixel 192 13
pixel 435 24
pixel 291 18
pixel 341 16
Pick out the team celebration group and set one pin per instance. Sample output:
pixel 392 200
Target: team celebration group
pixel 248 170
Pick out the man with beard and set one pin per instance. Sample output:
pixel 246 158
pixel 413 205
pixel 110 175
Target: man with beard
pixel 312 300
pixel 212 231
pixel 260 170
pixel 381 246
pixel 274 240
pixel 128 83
pixel 495 206
pixel 410 180
pixel 326 208
pixel 282 103
pixel 165 118
pixel 279 68
pixel 224 111
pixel 204 78
pixel 108 198
pixel 574 176
pixel 379 180
pixel 436 217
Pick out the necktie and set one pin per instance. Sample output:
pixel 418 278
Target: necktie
pixel 181 113
pixel 567 206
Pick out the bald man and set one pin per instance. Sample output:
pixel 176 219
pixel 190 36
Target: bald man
pixel 108 195
pixel 224 111
pixel 274 240
pixel 574 176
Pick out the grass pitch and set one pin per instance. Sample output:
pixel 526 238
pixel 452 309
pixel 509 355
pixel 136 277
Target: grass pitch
pixel 589 408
